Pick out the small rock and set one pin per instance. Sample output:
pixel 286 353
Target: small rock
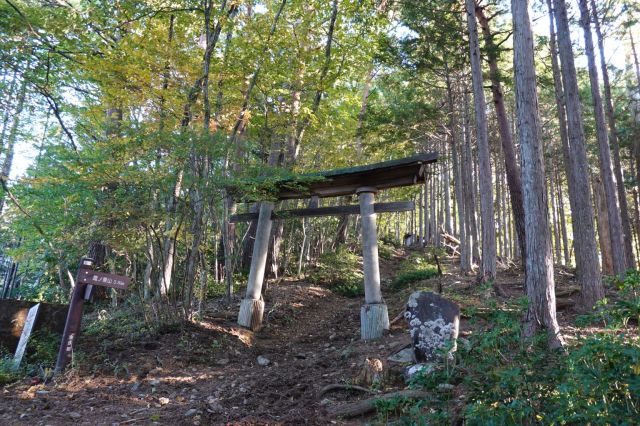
pixel 325 401
pixel 163 400
pixel 75 415
pixel 403 356
pixel 135 387
pixel 42 392
pixel 154 382
pixel 445 387
pixel 191 412
pixel 263 361
pixel 222 361
pixel 213 405
pixel 301 356
pixel 411 371
pixel 23 415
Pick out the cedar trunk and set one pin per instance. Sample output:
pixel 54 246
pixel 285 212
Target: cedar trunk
pixel 488 271
pixel 587 265
pixel 539 281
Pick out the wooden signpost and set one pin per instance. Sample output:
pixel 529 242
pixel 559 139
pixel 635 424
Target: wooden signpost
pixel 26 333
pixel 85 280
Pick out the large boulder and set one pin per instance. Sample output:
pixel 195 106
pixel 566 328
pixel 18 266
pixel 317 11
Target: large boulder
pixel 434 323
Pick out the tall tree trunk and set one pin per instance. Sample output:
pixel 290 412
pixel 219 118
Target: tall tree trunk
pixel 615 146
pixel 9 148
pixel 539 280
pixel 587 268
pixel 468 184
pixel 488 271
pixel 563 222
pixel 504 130
pixel 602 221
pixel 604 154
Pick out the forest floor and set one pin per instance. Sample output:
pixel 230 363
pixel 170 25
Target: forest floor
pixel 206 372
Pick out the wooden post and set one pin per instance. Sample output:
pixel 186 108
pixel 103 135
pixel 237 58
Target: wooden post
pixel 252 306
pixel 74 320
pixel 374 317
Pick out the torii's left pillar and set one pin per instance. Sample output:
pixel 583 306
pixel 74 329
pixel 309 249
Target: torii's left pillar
pixel 252 306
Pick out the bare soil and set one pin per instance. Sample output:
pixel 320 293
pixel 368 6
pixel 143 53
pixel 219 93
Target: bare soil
pixel 206 372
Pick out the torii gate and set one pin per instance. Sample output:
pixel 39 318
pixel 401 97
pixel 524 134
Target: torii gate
pixel 365 181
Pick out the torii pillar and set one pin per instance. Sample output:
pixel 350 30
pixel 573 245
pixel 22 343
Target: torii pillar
pixel 252 306
pixel 374 316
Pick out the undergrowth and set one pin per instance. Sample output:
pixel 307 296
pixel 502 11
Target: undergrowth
pixel 502 379
pixel 414 268
pixel 340 270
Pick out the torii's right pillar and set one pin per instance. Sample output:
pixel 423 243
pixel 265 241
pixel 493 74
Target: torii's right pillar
pixel 374 316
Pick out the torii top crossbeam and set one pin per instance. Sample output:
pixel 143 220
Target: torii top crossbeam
pixel 387 174
pixel 346 181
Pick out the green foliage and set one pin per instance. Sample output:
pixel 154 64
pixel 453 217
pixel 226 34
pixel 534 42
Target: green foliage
pixel 624 307
pixel 341 271
pixel 386 250
pixel 130 321
pixel 510 381
pixel 413 269
pixel 8 372
pixel 42 349
pixel 409 277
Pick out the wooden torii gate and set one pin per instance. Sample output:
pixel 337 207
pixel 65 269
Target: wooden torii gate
pixel 365 181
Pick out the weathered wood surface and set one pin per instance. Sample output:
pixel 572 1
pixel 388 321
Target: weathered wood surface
pixel 332 183
pixel 87 276
pixel 396 206
pixel 26 334
pixel 368 405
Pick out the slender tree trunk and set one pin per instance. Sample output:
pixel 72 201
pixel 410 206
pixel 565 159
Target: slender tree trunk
pixel 8 107
pixel 468 184
pixel 488 271
pixel 587 267
pixel 554 210
pixel 9 148
pixel 539 280
pixel 610 189
pixel 563 223
pixel 504 130
pixel 168 247
pixel 613 139
pixel 602 221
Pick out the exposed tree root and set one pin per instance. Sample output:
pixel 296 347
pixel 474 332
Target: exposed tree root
pixel 367 405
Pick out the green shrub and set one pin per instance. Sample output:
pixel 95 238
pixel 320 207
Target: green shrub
pixel 625 307
pixel 413 269
pixel 405 278
pixel 8 372
pixel 340 271
pixel 511 381
pixel 42 349
pixel 386 251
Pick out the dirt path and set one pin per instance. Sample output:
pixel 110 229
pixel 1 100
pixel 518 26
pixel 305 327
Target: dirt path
pixel 207 373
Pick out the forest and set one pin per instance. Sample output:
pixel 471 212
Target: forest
pixel 199 149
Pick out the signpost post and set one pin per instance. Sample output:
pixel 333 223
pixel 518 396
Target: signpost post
pixel 85 280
